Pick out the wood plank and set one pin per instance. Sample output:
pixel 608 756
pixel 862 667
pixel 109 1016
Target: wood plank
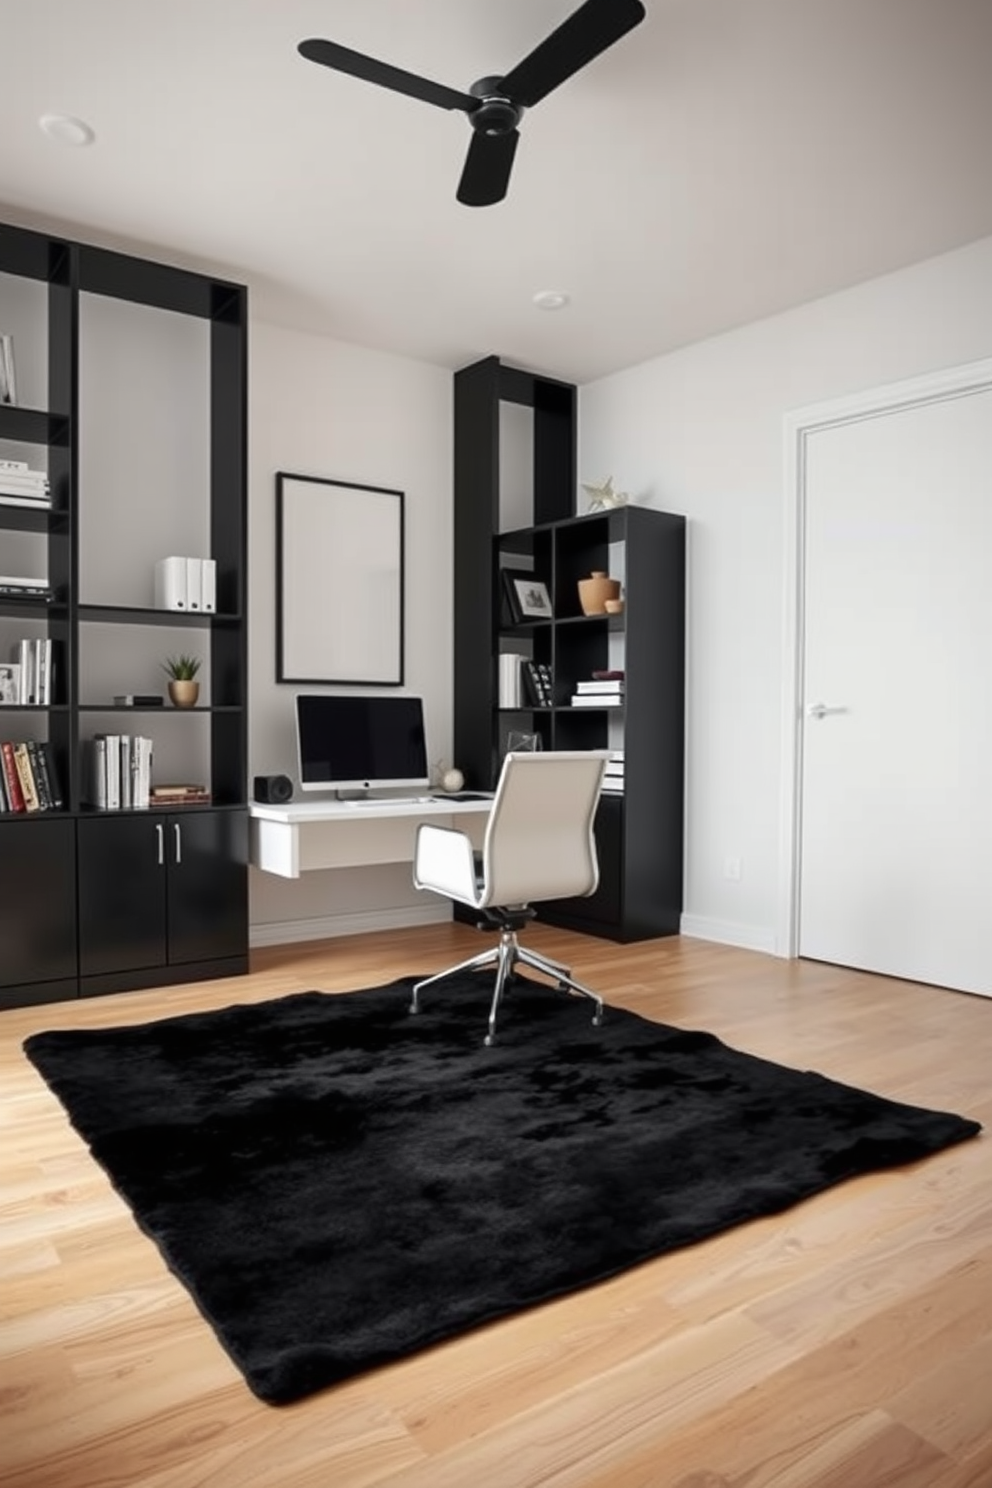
pixel 843 1344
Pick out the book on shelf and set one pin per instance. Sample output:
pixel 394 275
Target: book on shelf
pixel 596 700
pixel 615 686
pixel 189 794
pixel 539 683
pixel 20 498
pixel 121 767
pixel 12 779
pixel 33 659
pixel 29 788
pixel 20 480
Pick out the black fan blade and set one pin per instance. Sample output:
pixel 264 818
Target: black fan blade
pixel 356 64
pixel 592 28
pixel 487 168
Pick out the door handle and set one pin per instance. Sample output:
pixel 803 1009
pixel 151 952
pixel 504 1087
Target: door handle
pixel 822 710
pixel 160 834
pixel 179 841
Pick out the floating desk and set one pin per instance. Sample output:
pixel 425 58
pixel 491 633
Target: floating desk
pixel 305 835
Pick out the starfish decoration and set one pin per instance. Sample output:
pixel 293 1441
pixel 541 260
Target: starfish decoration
pixel 601 498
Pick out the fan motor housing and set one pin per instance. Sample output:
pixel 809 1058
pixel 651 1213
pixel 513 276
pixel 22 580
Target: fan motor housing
pixel 496 114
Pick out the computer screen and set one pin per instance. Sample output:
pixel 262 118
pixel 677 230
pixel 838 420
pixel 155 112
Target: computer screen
pixel 360 743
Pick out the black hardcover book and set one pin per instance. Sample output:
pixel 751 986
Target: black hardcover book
pixel 47 759
pixel 41 787
pixel 537 675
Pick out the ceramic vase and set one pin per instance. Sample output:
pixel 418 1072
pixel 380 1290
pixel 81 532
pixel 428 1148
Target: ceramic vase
pixel 596 590
pixel 184 694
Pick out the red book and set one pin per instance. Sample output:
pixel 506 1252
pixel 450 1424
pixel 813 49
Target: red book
pixel 12 778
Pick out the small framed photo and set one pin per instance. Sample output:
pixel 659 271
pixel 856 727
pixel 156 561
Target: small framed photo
pixel 531 598
pixel 10 682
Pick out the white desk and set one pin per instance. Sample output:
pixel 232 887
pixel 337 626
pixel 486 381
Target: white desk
pixel 290 840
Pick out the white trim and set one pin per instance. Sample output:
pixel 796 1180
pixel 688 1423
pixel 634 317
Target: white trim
pixel 949 382
pixel 285 932
pixel 727 932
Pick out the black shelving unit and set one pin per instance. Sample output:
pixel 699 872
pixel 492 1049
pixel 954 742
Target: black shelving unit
pixel 96 901
pixel 639 833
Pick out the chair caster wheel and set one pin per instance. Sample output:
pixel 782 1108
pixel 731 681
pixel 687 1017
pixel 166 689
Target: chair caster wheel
pixel 489 1040
pixel 413 1008
pixel 597 1020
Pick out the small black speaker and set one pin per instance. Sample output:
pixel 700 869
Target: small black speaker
pixel 274 790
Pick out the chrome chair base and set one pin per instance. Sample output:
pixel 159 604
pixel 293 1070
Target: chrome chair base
pixel 504 957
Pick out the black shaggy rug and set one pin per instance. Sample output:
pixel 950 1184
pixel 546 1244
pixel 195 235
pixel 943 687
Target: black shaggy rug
pixel 339 1184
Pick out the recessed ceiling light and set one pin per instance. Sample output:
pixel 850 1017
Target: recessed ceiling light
pixel 66 130
pixel 551 299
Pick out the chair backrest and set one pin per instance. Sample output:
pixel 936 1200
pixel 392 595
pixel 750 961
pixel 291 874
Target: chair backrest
pixel 539 841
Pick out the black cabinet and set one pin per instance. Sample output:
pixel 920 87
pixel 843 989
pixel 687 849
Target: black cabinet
pixel 639 831
pixel 37 911
pixel 80 315
pixel 162 897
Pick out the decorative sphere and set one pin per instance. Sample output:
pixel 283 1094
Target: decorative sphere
pixel 453 780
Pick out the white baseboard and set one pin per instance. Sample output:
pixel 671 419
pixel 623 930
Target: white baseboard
pixel 726 932
pixel 282 932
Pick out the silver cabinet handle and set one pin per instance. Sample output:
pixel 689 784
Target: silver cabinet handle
pixel 821 710
pixel 179 841
pixel 160 834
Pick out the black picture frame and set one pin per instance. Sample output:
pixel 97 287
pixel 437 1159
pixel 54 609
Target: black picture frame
pixel 531 598
pixel 340 582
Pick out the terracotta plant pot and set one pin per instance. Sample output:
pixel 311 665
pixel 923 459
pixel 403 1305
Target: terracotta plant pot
pixel 184 694
pixel 595 591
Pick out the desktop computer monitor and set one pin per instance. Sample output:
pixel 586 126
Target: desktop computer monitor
pixel 347 742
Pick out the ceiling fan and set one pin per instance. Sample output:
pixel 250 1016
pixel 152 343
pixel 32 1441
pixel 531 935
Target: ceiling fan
pixel 495 104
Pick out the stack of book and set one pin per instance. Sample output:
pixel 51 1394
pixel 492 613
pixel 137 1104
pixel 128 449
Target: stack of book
pixel 121 772
pixel 28 778
pixel 603 690
pixel 22 486
pixel 31 669
pixel 13 586
pixel 613 778
pixel 179 795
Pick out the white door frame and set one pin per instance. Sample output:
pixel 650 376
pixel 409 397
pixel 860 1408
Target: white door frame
pixel 973 377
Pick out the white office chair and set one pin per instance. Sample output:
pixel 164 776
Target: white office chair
pixel 539 844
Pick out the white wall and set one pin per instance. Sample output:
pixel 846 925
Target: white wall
pixel 701 432
pixel 320 407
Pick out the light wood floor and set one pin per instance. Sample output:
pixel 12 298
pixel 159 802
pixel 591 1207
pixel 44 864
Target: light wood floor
pixel 844 1344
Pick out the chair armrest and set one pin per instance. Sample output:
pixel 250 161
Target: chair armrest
pixel 443 862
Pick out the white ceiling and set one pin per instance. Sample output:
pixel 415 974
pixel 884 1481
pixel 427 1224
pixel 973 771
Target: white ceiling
pixel 725 160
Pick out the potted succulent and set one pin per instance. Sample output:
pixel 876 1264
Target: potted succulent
pixel 183 686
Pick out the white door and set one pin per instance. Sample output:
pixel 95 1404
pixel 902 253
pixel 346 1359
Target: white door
pixel 895 797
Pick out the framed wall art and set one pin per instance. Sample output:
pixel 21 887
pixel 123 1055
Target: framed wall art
pixel 339 582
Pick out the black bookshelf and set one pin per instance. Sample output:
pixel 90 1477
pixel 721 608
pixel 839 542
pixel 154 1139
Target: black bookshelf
pixel 640 832
pixel 73 919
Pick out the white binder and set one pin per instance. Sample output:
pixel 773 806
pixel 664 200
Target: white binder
pixel 194 583
pixel 208 579
pixel 170 584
